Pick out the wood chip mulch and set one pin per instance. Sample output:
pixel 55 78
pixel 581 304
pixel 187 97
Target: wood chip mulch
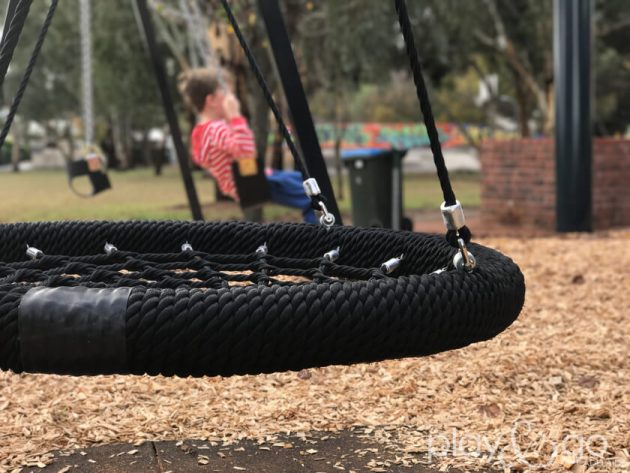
pixel 550 394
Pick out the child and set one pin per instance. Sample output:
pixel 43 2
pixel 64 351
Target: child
pixel 222 135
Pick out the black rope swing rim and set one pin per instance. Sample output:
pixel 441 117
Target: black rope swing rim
pixel 173 327
pixel 154 317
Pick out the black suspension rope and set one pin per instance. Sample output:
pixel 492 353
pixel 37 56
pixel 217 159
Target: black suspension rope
pixel 27 73
pixel 297 156
pixel 10 39
pixel 425 104
pixel 429 120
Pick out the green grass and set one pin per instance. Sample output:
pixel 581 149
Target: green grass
pixel 138 194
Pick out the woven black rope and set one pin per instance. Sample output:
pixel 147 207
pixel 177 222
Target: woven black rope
pixel 425 104
pixel 27 72
pixel 429 120
pixel 297 156
pixel 12 36
pixel 222 309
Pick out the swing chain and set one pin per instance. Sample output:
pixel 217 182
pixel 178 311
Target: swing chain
pixel 454 219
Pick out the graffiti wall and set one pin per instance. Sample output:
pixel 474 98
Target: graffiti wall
pixel 401 135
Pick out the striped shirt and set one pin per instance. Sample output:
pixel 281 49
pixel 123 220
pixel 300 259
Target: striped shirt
pixel 218 143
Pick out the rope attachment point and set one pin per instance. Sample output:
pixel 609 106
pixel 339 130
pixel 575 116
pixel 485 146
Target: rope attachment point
pixel 332 255
pixel 313 191
pixel 458 235
pixel 109 248
pixel 392 264
pixel 33 253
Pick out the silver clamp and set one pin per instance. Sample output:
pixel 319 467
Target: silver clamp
pixel 332 255
pixel 312 189
pixel 454 219
pixel 262 250
pixel 392 264
pixel 453 215
pixel 109 248
pixel 186 247
pixel 33 253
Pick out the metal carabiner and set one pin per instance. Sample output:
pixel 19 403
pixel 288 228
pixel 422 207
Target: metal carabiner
pixel 464 259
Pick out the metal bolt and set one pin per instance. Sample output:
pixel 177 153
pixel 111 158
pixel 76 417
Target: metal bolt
pixel 392 264
pixel 332 255
pixel 109 248
pixel 187 247
pixel 262 250
pixel 33 252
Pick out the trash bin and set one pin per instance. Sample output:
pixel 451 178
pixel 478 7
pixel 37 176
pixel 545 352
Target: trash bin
pixel 376 187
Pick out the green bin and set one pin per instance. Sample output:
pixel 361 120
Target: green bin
pixel 376 187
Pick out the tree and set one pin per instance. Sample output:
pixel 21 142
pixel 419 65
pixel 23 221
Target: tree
pixel 124 86
pixel 125 89
pixel 342 45
pixel 513 38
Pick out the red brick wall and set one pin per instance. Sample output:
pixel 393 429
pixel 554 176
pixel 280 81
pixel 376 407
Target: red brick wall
pixel 518 183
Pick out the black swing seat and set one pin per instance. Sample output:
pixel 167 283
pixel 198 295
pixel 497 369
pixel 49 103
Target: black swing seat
pixel 240 298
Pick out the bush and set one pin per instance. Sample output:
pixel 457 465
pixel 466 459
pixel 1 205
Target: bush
pixel 5 153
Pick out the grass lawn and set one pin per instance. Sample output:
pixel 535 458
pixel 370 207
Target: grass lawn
pixel 138 194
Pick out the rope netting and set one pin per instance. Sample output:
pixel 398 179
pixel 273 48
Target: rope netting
pixel 188 268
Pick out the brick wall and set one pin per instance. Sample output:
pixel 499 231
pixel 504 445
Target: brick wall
pixel 518 183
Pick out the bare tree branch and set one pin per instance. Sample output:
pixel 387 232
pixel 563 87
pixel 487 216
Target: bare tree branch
pixel 502 43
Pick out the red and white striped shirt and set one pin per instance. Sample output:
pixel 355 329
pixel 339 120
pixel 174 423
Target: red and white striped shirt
pixel 217 143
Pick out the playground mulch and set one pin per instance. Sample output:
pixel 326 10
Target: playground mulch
pixel 552 393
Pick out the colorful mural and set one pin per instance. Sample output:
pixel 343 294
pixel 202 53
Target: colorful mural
pixel 400 135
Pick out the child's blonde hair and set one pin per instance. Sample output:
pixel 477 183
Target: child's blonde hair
pixel 196 84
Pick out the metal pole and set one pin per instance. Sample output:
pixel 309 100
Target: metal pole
pixel 85 15
pixel 11 35
pixel 8 17
pixel 169 109
pixel 574 146
pixel 296 100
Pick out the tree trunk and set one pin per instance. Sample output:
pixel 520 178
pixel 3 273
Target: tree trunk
pixel 127 133
pixel 549 124
pixel 277 154
pixel 340 130
pixel 119 141
pixel 522 99
pixel 147 154
pixel 258 112
pixel 67 133
pixel 15 149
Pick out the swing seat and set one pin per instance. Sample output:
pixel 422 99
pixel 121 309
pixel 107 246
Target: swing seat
pixel 251 183
pixel 91 166
pixel 238 297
